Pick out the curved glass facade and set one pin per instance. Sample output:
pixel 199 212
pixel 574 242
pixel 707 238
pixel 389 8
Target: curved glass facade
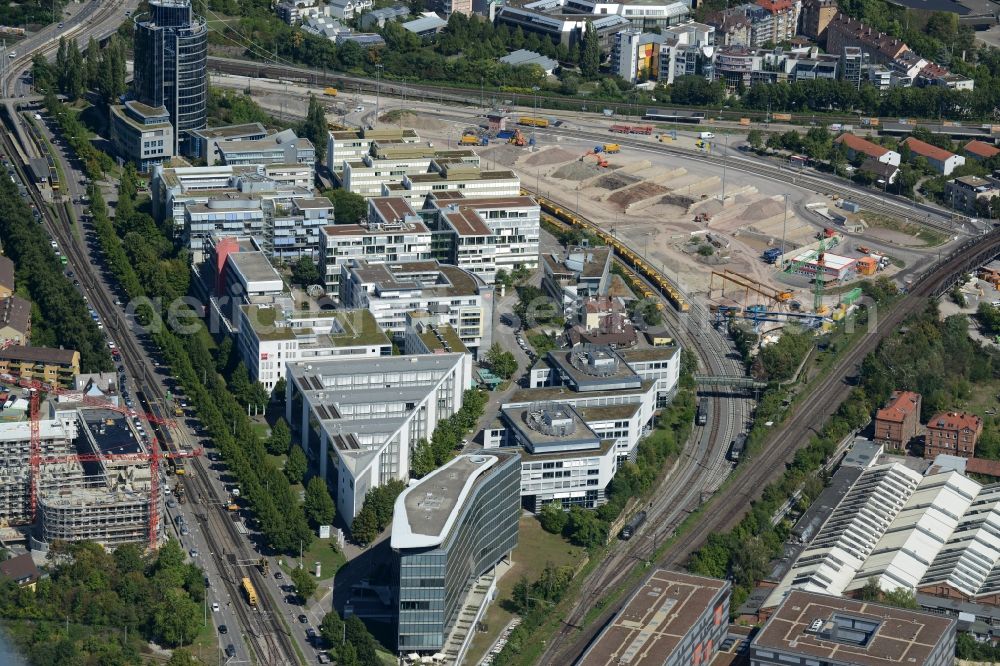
pixel 171 55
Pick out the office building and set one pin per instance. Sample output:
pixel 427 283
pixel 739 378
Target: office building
pixel 581 418
pixel 674 619
pixel 392 232
pixel 941 160
pixel 292 228
pixel 230 214
pixel 142 134
pixel 970 194
pixel 897 423
pixel 285 147
pixel 174 187
pixel 585 272
pixel 365 416
pixel 48 365
pixel 449 529
pixel 389 291
pixel 469 179
pixel 353 145
pixel 810 628
pixel 205 142
pixel 853 63
pixel 389 162
pixel 954 433
pixel 171 51
pixel 427 333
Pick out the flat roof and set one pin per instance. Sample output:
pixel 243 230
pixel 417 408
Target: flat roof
pixel 567 430
pixel 655 621
pixel 466 222
pixel 567 393
pixel 594 366
pixel 450 280
pixel 313 202
pixel 893 635
pixel 649 354
pixel 448 336
pixel 392 209
pixel 254 266
pixel 229 131
pixel 111 431
pixel 425 512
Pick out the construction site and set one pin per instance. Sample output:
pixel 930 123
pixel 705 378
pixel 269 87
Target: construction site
pixel 75 466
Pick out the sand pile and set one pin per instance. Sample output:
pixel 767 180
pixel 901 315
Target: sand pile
pixel 615 181
pixel 550 156
pixel 416 121
pixel 638 193
pixel 499 155
pixel 763 209
pixel 577 171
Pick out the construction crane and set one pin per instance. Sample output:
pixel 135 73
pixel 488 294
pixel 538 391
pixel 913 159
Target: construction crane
pixel 748 284
pixel 36 460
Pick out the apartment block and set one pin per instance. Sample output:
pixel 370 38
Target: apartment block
pixel 673 619
pixel 292 228
pixel 941 160
pixel 815 16
pixel 15 321
pixel 48 365
pixel 361 418
pixel 897 423
pixel 855 146
pixel 584 272
pixel 390 164
pixel 229 214
pixel 391 290
pixel 970 194
pixel 466 178
pixel 954 433
pixel 352 145
pixel 6 277
pixel 392 232
pixel 449 530
pixel 204 143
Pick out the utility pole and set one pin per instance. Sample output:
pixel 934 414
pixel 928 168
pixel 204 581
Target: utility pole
pixel 784 223
pixel 725 155
pixel 378 91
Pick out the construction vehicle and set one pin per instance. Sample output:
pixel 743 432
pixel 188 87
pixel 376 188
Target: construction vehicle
pixel 517 139
pixel 771 255
pixel 703 217
pixel 601 162
pixel 533 122
pixel 179 493
pixel 612 148
pixel 748 284
pixel 330 92
pixel 505 135
pixel 473 140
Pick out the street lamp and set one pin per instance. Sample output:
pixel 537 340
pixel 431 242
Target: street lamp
pixel 378 90
pixel 536 89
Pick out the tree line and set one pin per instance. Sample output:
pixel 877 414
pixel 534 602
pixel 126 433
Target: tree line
pixel 75 72
pixel 59 316
pixel 104 607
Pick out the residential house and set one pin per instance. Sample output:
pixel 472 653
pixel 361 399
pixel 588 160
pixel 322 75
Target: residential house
pixel 953 433
pixel 855 146
pixel 980 150
pixel 377 18
pixel 22 570
pixel 941 160
pixel 886 173
pixel 897 423
pixel 965 193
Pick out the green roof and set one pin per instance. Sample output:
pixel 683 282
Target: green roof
pixel 359 326
pixel 361 330
pixel 448 334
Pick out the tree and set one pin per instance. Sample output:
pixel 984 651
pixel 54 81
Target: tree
pixel 348 207
pixel 181 657
pixel 314 126
pixel 305 272
pixel 590 58
pixel 319 506
pixel 332 629
pixel 177 619
pixel 296 465
pixel 364 527
pixel 422 461
pixel 305 583
pixel 755 138
pixel 552 518
pixel 281 438
pixel 501 362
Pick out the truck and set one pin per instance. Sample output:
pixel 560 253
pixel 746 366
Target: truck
pixel 632 527
pixel 612 148
pixel 771 254
pixel 706 135
pixel 330 92
pixel 870 122
pixel 533 122
pixel 505 135
pixel 781 117
pixel 472 140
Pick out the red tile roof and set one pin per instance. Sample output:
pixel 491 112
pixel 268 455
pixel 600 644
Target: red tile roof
pixel 982 466
pixel 775 6
pixel 901 404
pixel 927 150
pixel 859 145
pixel 981 149
pixel 955 421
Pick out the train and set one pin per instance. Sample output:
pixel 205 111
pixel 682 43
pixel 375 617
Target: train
pixel 737 446
pixel 623 252
pixel 701 417
pixel 250 592
pixel 632 527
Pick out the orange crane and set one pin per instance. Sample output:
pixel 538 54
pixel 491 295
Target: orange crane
pixel 749 284
pixel 153 457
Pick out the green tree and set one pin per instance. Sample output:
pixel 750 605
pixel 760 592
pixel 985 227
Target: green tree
pixel 755 138
pixel 296 465
pixel 182 657
pixel 177 619
pixel 305 583
pixel 319 506
pixel 305 272
pixel 280 441
pixel 364 527
pixel 314 126
pixel 93 62
pixel 422 461
pixel 590 58
pixel 223 354
pixel 348 207
pixel 501 362
pixel 552 518
pixel 332 629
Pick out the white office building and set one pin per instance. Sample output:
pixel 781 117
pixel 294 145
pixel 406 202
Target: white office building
pixel 455 175
pixel 352 145
pixel 292 228
pixel 362 418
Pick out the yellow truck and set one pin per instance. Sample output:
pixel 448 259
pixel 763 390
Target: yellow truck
pixel 470 140
pixel 744 122
pixel 330 92
pixel 612 148
pixel 781 117
pixel 533 122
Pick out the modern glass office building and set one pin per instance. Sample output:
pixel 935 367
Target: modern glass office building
pixel 171 52
pixel 447 530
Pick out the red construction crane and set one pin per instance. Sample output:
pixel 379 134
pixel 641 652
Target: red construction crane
pixel 153 457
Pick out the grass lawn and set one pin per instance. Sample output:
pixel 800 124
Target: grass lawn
pixel 929 237
pixel 263 431
pixel 206 646
pixel 322 551
pixel 535 549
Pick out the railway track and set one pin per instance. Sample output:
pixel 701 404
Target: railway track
pixel 271 641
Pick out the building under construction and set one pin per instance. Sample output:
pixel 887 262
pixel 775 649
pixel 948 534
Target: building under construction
pixel 93 477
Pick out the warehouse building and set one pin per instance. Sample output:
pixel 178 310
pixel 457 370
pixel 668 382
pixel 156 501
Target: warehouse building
pixel 674 619
pixel 810 628
pixel 449 531
pixel 365 416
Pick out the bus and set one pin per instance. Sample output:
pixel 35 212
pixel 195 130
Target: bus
pixel 701 418
pixel 250 592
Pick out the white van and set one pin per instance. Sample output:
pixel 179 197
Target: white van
pixel 706 135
